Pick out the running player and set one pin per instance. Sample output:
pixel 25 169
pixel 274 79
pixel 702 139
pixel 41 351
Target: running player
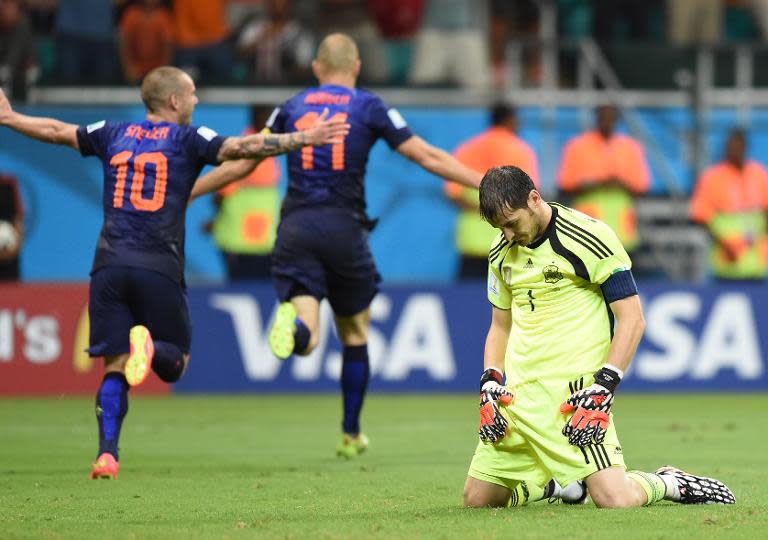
pixel 556 280
pixel 138 307
pixel 322 240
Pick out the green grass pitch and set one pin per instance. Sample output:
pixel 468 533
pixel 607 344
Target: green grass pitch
pixel 264 467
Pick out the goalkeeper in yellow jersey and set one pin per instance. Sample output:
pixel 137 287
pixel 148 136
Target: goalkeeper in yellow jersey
pixel 558 280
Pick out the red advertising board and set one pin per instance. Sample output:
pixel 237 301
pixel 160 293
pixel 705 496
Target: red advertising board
pixel 43 337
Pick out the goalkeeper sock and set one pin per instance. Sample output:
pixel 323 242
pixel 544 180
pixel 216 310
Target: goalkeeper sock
pixel 654 485
pixel 300 337
pixel 111 408
pixel 525 493
pixel 354 382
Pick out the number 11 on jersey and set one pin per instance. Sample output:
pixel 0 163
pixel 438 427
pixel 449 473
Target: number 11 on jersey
pixel 337 149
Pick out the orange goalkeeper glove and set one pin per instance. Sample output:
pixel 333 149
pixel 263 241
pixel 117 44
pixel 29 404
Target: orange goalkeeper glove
pixel 591 407
pixel 493 426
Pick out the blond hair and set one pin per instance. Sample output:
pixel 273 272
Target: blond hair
pixel 159 84
pixel 337 54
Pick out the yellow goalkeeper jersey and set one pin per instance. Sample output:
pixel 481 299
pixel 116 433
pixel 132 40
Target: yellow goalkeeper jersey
pixel 561 324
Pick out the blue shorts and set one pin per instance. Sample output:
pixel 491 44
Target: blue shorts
pixel 323 252
pixel 121 297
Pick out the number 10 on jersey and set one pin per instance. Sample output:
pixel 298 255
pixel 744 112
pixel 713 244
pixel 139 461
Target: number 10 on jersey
pixel 337 149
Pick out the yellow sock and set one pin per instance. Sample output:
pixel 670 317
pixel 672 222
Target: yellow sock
pixel 652 484
pixel 525 493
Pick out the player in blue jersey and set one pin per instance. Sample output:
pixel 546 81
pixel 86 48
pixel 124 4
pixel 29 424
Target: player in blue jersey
pixel 322 240
pixel 137 302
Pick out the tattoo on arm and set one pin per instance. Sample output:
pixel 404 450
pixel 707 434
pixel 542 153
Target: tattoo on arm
pixel 258 146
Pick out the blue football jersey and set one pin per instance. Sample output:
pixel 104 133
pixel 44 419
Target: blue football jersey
pixel 333 175
pixel 149 170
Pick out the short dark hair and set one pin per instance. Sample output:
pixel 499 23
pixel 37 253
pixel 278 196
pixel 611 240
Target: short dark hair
pixel 502 188
pixel 501 112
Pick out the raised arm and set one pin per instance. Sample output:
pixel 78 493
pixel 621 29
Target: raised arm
pixel 261 145
pixel 222 175
pixel 43 129
pixel 439 162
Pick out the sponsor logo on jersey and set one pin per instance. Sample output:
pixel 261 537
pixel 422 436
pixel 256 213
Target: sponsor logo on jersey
pixel 529 264
pixel 552 274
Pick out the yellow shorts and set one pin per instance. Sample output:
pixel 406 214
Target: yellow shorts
pixel 535 450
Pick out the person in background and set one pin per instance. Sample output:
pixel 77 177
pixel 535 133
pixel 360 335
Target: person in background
pixel 202 40
pixel 496 146
pixel 694 21
pixel 278 47
pixel 398 21
pixel 146 38
pixel 452 44
pixel 246 218
pixel 17 48
pixel 603 171
pixel 85 44
pixel 731 200
pixel 11 228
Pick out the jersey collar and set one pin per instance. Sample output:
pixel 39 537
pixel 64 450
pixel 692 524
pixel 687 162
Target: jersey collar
pixel 547 232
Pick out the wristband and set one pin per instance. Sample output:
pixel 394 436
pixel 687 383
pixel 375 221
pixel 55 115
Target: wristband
pixel 489 375
pixel 608 378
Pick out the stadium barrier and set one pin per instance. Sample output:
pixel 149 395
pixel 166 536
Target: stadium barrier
pixel 709 338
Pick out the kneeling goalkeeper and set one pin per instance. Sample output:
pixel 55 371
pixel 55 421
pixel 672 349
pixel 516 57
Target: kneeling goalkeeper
pixel 557 279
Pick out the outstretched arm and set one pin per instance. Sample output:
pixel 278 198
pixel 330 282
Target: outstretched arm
pixel 439 162
pixel 43 129
pixel 258 145
pixel 222 175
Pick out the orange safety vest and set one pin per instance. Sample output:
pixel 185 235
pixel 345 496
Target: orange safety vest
pixel 733 202
pixel 492 148
pixel 589 163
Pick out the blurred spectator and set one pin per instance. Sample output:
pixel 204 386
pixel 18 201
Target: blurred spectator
pixel 731 200
pixel 622 19
pixel 202 40
pixel 352 17
pixel 496 146
pixel 42 17
pixel 17 48
pixel 603 171
pixel 11 228
pixel 694 21
pixel 146 38
pixel 451 46
pixel 277 47
pixel 85 47
pixel 246 217
pixel 519 20
pixel 398 21
pixel 760 11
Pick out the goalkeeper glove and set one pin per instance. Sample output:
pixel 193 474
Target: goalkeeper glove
pixel 590 407
pixel 493 426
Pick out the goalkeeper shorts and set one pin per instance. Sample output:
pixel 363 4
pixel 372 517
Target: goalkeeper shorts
pixel 535 450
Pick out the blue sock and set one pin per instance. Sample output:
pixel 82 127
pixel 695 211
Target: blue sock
pixel 111 408
pixel 354 382
pixel 168 361
pixel 300 337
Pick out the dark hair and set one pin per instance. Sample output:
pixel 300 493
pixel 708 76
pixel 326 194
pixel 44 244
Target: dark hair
pixel 501 112
pixel 738 132
pixel 504 187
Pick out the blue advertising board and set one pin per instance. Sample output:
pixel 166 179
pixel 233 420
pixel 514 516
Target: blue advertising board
pixel 430 339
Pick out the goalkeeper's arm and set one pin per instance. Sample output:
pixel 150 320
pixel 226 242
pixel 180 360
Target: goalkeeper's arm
pixel 493 425
pixel 630 325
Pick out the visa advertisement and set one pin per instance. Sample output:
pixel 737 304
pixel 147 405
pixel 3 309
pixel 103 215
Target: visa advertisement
pixel 422 339
pixel 430 339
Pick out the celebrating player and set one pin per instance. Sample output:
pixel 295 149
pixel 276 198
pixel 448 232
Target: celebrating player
pixel 322 241
pixel 556 280
pixel 138 307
